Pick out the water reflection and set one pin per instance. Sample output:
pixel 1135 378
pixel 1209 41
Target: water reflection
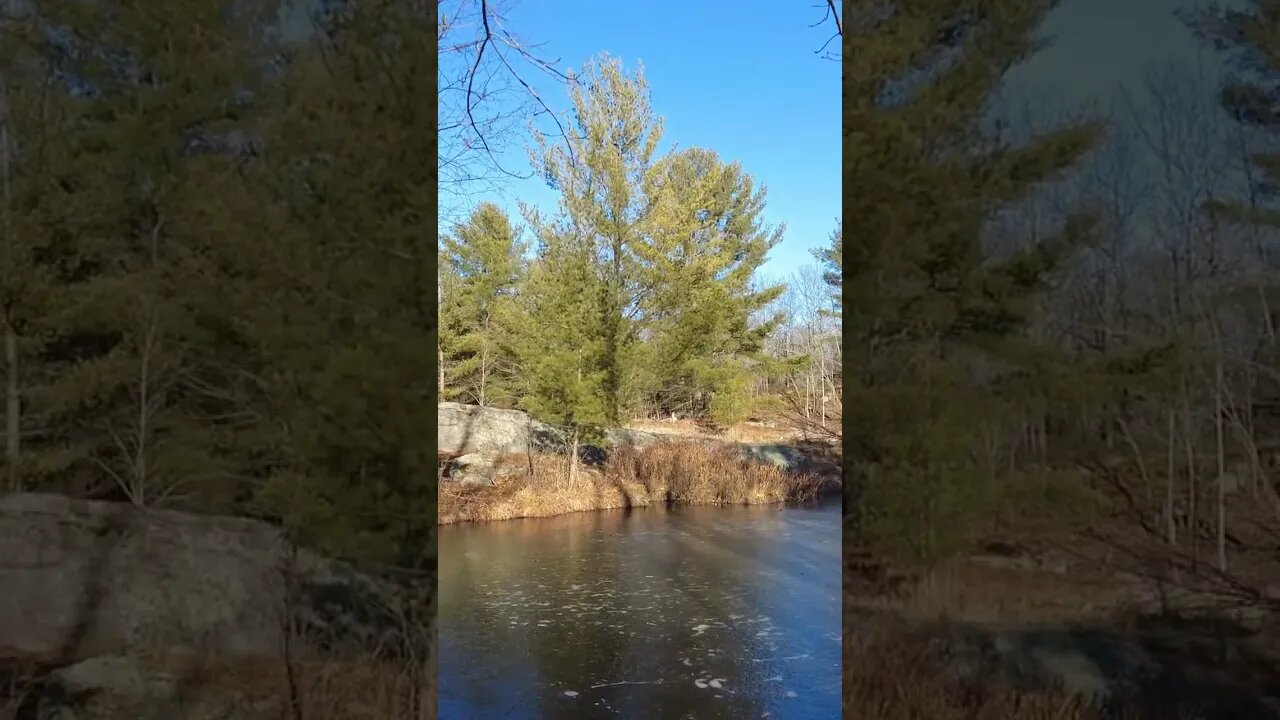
pixel 656 613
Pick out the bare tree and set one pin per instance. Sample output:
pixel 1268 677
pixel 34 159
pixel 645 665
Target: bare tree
pixel 487 100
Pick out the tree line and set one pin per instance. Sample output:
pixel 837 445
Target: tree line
pixel 1093 290
pixel 214 268
pixel 638 296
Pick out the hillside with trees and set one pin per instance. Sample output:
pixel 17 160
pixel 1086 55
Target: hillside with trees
pixel 216 289
pixel 1062 372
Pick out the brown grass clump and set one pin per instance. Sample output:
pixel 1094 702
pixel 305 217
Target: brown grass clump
pixel 687 473
pixel 698 474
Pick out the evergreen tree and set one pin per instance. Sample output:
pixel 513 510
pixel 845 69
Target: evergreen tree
pixel 832 259
pixel 332 305
pixel 922 177
pixel 703 244
pixel 480 268
pixel 564 357
pixel 1254 34
pixel 115 398
pixel 600 174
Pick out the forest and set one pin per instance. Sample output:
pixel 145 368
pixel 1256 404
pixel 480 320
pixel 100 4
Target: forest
pixel 211 297
pixel 1061 363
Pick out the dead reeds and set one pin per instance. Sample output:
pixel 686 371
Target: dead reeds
pixel 689 473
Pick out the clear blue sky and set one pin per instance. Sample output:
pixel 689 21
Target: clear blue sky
pixel 739 78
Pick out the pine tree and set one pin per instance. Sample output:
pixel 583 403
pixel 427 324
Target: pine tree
pixel 704 242
pixel 1254 34
pixel 922 177
pixel 337 290
pixel 565 361
pixel 112 392
pixel 600 173
pixel 480 268
pixel 832 258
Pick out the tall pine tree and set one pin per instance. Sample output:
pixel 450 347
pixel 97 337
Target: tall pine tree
pixel 481 264
pixel 704 239
pixel 921 177
pixel 600 173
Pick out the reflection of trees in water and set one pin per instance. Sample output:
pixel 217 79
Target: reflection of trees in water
pixel 704 565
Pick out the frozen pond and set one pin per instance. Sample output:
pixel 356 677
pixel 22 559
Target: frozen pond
pixel 693 612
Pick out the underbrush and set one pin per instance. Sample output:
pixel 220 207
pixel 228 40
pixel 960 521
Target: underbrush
pixel 315 684
pixel 684 473
pixel 908 678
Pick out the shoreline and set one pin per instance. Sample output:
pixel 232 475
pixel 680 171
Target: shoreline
pixel 514 487
pixel 511 508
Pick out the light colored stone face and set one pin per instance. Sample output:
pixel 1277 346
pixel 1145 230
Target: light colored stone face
pixel 112 597
pixel 92 578
pixel 464 429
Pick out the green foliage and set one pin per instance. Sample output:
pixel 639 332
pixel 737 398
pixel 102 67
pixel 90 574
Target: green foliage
pixel 225 279
pixel 480 268
pixel 641 290
pixel 563 354
pixel 832 259
pixel 926 310
pixel 703 243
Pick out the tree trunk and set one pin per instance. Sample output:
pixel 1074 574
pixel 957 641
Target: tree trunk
pixel 573 459
pixel 13 410
pixel 1172 477
pixel 1222 467
pixel 484 361
pixel 1192 504
pixel 13 401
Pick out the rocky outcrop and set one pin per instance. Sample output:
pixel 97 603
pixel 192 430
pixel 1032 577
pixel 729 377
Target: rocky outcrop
pixel 480 434
pixel 466 429
pixel 102 597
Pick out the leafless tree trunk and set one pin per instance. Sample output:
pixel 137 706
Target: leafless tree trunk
pixel 1170 480
pixel 1222 460
pixel 573 459
pixel 13 385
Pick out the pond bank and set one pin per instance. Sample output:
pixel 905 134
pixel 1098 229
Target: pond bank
pixel 538 485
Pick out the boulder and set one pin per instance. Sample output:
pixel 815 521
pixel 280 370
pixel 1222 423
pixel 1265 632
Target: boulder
pixel 465 429
pixel 473 469
pixel 107 599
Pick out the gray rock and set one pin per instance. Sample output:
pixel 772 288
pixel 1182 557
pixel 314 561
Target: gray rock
pixel 98 593
pixel 85 579
pixel 464 429
pixel 122 676
pixel 473 469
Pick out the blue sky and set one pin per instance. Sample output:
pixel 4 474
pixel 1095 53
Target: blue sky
pixel 741 79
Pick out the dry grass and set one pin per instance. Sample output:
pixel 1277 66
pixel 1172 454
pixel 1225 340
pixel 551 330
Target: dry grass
pixel 906 678
pixel 686 473
pixel 768 431
pixel 365 686
pixel 969 591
